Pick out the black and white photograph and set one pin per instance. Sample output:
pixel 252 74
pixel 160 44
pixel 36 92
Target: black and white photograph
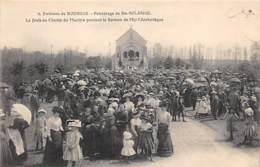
pixel 88 83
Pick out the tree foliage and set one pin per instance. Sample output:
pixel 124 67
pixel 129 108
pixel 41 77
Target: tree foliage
pixel 196 61
pixel 41 67
pixel 17 68
pixel 168 63
pixel 179 63
pixel 93 62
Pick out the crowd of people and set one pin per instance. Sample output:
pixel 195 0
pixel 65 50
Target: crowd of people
pixel 124 115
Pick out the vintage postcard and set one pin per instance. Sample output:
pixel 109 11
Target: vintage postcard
pixel 130 83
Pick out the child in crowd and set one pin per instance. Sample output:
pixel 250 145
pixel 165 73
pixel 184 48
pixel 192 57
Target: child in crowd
pixel 72 151
pixel 181 109
pixel 205 105
pixel 128 144
pixel 41 129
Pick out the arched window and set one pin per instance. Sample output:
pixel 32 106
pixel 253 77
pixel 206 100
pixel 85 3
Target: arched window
pixel 131 55
pixel 125 54
pixel 137 55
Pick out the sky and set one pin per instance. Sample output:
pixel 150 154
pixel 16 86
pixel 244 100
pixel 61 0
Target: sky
pixel 185 23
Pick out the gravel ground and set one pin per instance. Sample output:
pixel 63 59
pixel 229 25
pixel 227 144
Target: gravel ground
pixel 196 144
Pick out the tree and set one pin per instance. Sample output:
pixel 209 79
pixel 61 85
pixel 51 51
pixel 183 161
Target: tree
pixel 41 68
pixel 17 68
pixel 179 63
pixel 168 63
pixel 31 70
pixel 60 67
pixel 247 68
pixel 156 62
pixel 141 64
pixel 196 61
pixel 93 62
pixel 108 63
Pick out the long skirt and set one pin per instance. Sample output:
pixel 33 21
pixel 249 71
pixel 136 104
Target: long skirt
pixel 165 146
pixel 111 143
pixel 53 150
pixel 146 142
pixel 238 128
pixel 6 155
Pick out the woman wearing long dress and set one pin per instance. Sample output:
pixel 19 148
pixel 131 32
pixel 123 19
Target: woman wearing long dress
pixel 111 140
pixel 53 151
pixel 135 124
pixel 17 140
pixel 146 140
pixel 5 152
pixel 165 146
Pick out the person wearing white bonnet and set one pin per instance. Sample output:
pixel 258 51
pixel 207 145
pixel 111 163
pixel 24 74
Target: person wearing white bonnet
pixel 72 151
pixel 129 105
pixel 110 110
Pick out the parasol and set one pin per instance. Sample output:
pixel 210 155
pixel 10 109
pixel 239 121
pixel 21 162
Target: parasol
pixel 140 95
pixel 199 85
pixel 93 87
pixel 129 94
pixel 23 111
pixel 47 81
pixel 234 80
pixel 4 85
pixel 82 83
pixel 190 81
pixel 201 79
pixel 213 83
pixel 170 78
pixel 217 72
pixel 257 90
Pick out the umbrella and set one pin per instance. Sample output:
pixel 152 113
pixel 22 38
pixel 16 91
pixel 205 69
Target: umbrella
pixel 82 83
pixel 23 111
pixel 99 100
pixel 199 85
pixel 170 78
pixel 4 85
pixel 113 99
pixel 140 94
pixel 201 79
pixel 149 75
pixel 190 81
pixel 81 88
pixel 257 90
pixel 213 83
pixel 129 94
pixel 217 72
pixel 93 87
pixel 235 80
pixel 47 81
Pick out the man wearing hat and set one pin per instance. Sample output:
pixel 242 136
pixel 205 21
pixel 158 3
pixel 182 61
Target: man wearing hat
pixel 234 110
pixel 214 104
pixel 34 103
